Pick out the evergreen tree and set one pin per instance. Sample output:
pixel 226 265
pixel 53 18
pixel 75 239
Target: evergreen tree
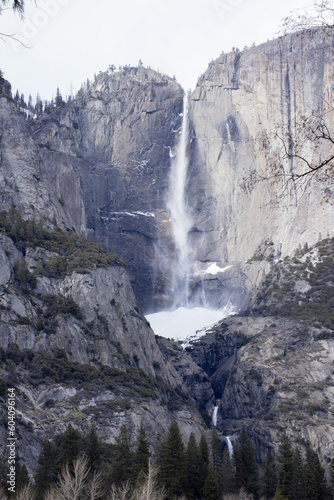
pixel 311 484
pixel 313 462
pixel 22 103
pixel 228 485
pixel 38 105
pixel 46 472
pixel 285 467
pixel 30 105
pixel 331 478
pixel 171 461
pixel 210 488
pixel 22 476
pixel 59 102
pixel 142 452
pixel 17 98
pixel 70 446
pixel 193 468
pixel 268 478
pixel 93 450
pixel 298 481
pixel 203 450
pixel 122 463
pixel 217 456
pixel 246 474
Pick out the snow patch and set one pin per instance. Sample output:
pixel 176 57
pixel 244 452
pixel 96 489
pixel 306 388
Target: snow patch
pixel 215 269
pixel 114 215
pixel 187 325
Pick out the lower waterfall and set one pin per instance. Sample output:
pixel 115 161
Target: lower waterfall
pixel 214 415
pixel 229 445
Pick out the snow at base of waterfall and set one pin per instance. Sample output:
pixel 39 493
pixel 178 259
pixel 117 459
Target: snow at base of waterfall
pixel 187 325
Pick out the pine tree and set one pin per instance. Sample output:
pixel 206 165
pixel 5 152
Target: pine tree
pixel 246 474
pixel 38 105
pixel 268 478
pixel 17 98
pixel 22 476
pixel 311 484
pixel 331 477
pixel 22 103
pixel 217 456
pixel 122 463
pixel 142 452
pixel 46 472
pixel 228 485
pixel 313 462
pixel 171 461
pixel 59 102
pixel 298 481
pixel 70 446
pixel 210 488
pixel 285 467
pixel 30 105
pixel 193 468
pixel 93 450
pixel 203 450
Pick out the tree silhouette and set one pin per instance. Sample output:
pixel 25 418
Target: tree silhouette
pixel 285 467
pixel 171 461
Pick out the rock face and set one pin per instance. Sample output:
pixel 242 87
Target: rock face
pixel 117 139
pixel 100 166
pixel 78 350
pixel 238 189
pixel 271 375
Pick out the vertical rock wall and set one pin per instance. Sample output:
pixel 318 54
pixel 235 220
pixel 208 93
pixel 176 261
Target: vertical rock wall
pixel 239 190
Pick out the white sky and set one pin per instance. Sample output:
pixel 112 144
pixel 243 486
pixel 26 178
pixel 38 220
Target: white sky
pixel 73 39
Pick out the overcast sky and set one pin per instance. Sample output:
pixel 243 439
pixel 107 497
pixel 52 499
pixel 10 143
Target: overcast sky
pixel 71 40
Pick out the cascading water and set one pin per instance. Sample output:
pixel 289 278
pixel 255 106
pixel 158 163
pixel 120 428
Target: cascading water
pixel 215 415
pixel 189 315
pixel 229 445
pixel 180 218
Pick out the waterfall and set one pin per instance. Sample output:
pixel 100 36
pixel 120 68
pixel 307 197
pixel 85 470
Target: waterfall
pixel 179 213
pixel 229 445
pixel 214 416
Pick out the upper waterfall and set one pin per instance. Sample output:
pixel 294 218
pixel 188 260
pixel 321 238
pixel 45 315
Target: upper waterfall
pixel 179 214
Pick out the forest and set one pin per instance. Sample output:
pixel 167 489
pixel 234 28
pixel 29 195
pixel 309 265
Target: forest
pixel 73 466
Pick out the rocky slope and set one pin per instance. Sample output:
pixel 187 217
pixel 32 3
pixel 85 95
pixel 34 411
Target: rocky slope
pixel 77 348
pixel 272 368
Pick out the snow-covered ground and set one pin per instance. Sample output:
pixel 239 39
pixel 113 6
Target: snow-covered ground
pixel 187 325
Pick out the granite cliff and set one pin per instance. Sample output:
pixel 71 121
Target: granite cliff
pixel 242 201
pixel 74 341
pixel 110 153
pixel 103 161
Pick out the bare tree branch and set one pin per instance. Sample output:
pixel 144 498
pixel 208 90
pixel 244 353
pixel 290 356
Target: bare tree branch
pixel 319 14
pixel 72 479
pixel 3 37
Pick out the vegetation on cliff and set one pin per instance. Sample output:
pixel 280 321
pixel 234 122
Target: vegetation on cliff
pixel 73 252
pixel 301 287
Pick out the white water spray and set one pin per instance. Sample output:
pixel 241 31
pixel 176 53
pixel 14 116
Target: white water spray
pixel 229 445
pixel 180 218
pixel 214 415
